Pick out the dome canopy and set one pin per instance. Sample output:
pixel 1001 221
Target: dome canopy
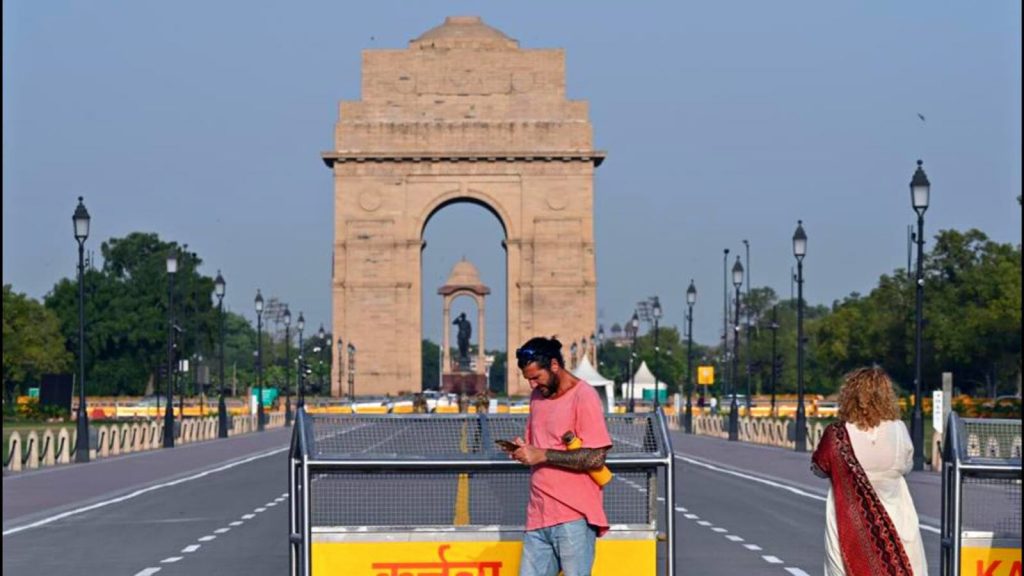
pixel 464 32
pixel 464 276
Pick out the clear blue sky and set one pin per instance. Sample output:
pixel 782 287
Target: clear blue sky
pixel 723 121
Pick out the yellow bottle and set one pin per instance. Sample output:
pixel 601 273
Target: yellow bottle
pixel 601 476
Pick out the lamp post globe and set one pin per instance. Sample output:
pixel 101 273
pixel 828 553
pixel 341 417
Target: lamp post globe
pixel 258 303
pixel 920 191
pixel 656 313
pixel 799 251
pixel 81 220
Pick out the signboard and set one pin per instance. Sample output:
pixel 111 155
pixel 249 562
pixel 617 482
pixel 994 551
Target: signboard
pixel 937 411
pixel 705 375
pixel 484 558
pixel 269 395
pixel 990 561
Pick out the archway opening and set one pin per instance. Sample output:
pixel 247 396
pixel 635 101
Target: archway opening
pixel 464 229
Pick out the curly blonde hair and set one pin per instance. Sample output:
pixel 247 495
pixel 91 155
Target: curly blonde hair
pixel 867 398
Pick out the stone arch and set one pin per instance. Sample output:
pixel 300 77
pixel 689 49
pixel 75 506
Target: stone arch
pixel 462 115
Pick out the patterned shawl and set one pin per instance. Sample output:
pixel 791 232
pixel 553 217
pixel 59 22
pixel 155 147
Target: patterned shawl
pixel 867 537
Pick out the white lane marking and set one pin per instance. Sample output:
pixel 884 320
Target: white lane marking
pixel 771 560
pixel 171 560
pixel 753 547
pixel 190 549
pixel 248 516
pixel 207 538
pixel 734 537
pixel 236 523
pixel 691 516
pixel 147 572
pixel 138 493
pixel 720 530
pixel 260 510
pixel 704 523
pixel 796 571
pixel 681 509
pixel 221 530
pixel 285 495
pixel 270 504
pixel 779 485
pixel 660 499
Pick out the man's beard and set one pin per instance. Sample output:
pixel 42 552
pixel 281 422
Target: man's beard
pixel 551 389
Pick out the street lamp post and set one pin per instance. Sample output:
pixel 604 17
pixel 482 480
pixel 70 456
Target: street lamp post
pixel 634 327
pixel 920 189
pixel 323 348
pixel 341 351
pixel 597 346
pixel 572 351
pixel 301 325
pixel 259 360
pixel 750 333
pixel 81 221
pixel 219 288
pixel 775 358
pixel 287 367
pixel 799 251
pixel 691 299
pixel 351 371
pixel 725 316
pixel 656 312
pixel 172 269
pixel 737 282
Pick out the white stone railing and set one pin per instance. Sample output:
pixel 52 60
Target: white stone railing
pixel 768 431
pixel 56 445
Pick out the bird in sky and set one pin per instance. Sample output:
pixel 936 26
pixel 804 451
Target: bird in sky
pixel 921 116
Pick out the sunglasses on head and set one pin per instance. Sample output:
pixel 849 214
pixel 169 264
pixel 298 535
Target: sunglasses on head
pixel 525 353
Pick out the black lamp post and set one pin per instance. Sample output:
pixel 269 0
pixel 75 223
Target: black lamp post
pixel 656 312
pixel 750 333
pixel 172 269
pixel 634 327
pixel 219 289
pixel 920 189
pixel 800 250
pixel 301 325
pixel 323 348
pixel 597 347
pixel 691 299
pixel 573 350
pixel 287 367
pixel 725 317
pixel 259 360
pixel 81 220
pixel 341 352
pixel 775 357
pixel 737 282
pixel 351 371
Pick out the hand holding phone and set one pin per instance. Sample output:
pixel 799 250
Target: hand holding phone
pixel 507 445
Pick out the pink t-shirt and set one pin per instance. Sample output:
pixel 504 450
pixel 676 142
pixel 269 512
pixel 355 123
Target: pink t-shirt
pixel 558 495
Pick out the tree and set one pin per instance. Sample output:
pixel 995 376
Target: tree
pixel 431 363
pixel 126 312
pixel 33 344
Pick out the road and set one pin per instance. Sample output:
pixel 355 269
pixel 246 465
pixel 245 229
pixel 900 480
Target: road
pixel 741 509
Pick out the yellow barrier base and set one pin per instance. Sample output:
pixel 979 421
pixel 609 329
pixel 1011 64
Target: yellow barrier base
pixel 990 561
pixel 614 557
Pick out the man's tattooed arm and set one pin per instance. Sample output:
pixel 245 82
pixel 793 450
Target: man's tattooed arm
pixel 581 460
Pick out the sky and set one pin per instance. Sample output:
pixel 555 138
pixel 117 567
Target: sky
pixel 722 121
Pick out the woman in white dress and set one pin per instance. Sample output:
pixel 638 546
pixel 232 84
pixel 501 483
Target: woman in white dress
pixel 871 523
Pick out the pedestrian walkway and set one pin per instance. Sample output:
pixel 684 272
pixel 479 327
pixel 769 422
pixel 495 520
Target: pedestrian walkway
pixel 27 495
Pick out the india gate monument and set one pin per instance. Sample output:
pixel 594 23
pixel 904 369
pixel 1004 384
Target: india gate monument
pixel 463 114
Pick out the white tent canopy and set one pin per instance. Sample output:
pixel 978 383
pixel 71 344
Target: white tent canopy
pixel 605 387
pixel 644 379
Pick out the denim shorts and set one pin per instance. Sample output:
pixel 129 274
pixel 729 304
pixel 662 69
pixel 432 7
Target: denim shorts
pixel 567 547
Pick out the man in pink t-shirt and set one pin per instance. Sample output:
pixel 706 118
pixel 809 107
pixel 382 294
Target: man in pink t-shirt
pixel 565 513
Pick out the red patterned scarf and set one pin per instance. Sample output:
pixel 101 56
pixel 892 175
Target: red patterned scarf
pixel 867 537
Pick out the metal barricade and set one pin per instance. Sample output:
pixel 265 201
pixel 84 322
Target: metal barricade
pixel 981 497
pixel 425 494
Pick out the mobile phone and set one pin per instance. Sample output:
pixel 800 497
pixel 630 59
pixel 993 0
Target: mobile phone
pixel 507 445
